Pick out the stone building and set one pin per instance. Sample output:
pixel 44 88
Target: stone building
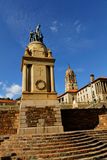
pixel 71 88
pixel 93 92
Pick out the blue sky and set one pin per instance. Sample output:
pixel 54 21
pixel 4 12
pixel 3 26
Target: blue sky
pixel 75 31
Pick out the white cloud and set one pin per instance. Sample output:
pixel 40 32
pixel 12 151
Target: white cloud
pixel 55 22
pixel 1 96
pixel 54 29
pixel 1 83
pixel 76 22
pixel 13 90
pixel 55 25
pixel 78 26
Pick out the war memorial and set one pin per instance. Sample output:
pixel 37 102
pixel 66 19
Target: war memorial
pixel 43 129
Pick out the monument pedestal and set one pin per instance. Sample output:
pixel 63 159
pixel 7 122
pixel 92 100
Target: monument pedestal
pixel 40 119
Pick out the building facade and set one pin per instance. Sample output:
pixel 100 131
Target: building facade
pixel 93 92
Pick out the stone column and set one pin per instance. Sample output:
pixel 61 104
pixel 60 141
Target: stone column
pixel 96 87
pixel 32 78
pixel 101 90
pixel 52 78
pixel 103 87
pixel 106 86
pixel 24 74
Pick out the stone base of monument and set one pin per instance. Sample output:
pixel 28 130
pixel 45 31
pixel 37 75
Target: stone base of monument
pixel 39 119
pixel 40 130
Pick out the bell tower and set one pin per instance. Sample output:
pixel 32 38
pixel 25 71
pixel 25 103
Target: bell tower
pixel 39 106
pixel 70 80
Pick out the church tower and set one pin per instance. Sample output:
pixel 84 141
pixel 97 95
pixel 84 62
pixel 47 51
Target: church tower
pixel 39 107
pixel 70 80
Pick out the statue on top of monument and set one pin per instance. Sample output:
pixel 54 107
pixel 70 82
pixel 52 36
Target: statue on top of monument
pixel 36 35
pixel 31 36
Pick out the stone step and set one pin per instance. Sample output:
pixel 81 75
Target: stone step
pixel 75 156
pixel 70 150
pixel 78 145
pixel 51 139
pixel 47 138
pixel 99 157
pixel 47 151
pixel 34 143
pixel 68 145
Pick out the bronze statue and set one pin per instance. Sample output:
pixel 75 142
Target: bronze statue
pixel 31 36
pixel 37 35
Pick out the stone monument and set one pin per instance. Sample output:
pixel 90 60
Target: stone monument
pixel 39 110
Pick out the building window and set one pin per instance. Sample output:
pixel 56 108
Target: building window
pixel 93 95
pixel 72 98
pixel 84 97
pixel 81 99
pixel 66 100
pixel 62 99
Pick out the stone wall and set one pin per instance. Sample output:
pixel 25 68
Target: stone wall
pixel 72 119
pixel 9 119
pixel 36 117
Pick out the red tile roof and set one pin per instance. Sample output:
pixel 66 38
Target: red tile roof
pixel 70 91
pixel 7 101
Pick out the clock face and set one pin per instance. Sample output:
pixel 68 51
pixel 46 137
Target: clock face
pixel 40 84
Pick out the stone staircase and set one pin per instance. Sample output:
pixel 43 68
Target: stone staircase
pixel 76 145
pixel 99 135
